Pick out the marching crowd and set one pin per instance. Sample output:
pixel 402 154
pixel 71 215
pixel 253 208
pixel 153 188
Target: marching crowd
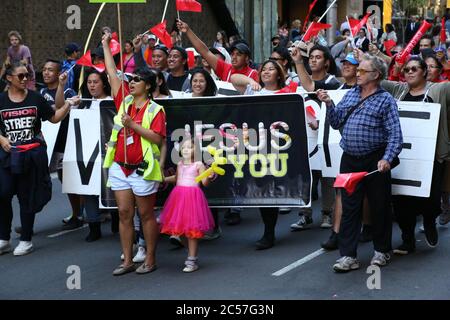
pixel 136 153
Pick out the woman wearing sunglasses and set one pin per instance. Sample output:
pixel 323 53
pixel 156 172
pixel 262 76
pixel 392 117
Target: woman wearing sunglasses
pixel 22 112
pixel 406 208
pixel 132 159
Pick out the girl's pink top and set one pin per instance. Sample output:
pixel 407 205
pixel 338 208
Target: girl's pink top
pixel 187 174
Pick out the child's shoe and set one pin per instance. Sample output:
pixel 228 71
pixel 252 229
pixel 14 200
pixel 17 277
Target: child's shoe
pixel 190 264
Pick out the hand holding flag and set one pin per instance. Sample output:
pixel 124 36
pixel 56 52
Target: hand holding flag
pixel 349 181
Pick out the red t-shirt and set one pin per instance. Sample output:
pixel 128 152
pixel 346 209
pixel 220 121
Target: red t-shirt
pixel 225 70
pixel 134 146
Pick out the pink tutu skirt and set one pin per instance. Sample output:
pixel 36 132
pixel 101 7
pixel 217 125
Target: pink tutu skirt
pixel 186 212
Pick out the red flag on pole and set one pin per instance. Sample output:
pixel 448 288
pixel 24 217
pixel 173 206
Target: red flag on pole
pixel 191 59
pixel 314 30
pixel 291 88
pixel 27 147
pixel 355 27
pixel 189 5
pixel 86 61
pixel 161 32
pixel 443 36
pixel 388 45
pixel 310 111
pixel 349 181
pixel 311 6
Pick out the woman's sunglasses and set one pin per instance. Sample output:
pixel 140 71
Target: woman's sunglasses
pixel 21 76
pixel 135 78
pixel 414 69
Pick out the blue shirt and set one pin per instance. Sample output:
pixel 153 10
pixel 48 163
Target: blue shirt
pixel 373 125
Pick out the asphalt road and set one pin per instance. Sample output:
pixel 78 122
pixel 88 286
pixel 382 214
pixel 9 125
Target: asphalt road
pixel 230 267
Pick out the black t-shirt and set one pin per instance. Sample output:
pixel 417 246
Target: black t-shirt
pixel 50 95
pixel 409 97
pixel 176 83
pixel 22 121
pixel 328 83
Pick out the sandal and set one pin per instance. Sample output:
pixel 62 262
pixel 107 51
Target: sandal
pixel 122 269
pixel 145 268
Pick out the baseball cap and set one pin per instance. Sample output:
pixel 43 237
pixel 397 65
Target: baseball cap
pixel 71 48
pixel 98 52
pixel 241 47
pixel 350 58
pixel 152 37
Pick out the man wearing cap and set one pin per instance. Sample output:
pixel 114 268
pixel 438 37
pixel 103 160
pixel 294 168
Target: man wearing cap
pixel 72 51
pixel 240 56
pixel 149 42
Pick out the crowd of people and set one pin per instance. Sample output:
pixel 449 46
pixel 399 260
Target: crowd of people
pixel 367 117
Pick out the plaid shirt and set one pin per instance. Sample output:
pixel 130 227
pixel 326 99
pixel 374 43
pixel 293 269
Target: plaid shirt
pixel 373 125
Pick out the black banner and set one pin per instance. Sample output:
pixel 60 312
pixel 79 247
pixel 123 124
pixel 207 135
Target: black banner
pixel 277 175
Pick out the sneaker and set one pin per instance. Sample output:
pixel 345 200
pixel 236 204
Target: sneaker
pixel 72 224
pixel 5 246
pixel 326 221
pixel 176 241
pixel 380 259
pixel 332 242
pixel 346 264
pixel 24 247
pixel 404 249
pixel 366 234
pixel 140 255
pixel 122 256
pixel 212 235
pixel 190 265
pixel 431 236
pixel 284 210
pixel 67 219
pixel 303 223
pixel 444 218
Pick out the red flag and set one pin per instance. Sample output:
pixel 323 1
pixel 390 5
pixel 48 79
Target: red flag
pixel 388 45
pixel 160 31
pixel 114 46
pixel 115 36
pixel 86 61
pixel 355 28
pixel 291 88
pixel 191 59
pixel 311 6
pixel 348 181
pixel 189 5
pixel 443 34
pixel 314 30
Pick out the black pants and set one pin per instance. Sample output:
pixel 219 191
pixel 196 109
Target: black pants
pixel 9 186
pixel 377 187
pixel 407 208
pixel 269 217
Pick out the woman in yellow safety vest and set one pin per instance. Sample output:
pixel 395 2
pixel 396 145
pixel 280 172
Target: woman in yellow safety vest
pixel 133 158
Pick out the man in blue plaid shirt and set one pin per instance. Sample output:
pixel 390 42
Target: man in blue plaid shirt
pixel 371 139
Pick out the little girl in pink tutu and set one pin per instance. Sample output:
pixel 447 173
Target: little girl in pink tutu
pixel 186 212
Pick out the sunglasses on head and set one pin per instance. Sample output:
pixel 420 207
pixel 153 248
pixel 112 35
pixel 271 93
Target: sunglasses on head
pixel 21 76
pixel 413 69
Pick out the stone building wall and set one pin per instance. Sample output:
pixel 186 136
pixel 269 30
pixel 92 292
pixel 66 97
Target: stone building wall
pixel 43 24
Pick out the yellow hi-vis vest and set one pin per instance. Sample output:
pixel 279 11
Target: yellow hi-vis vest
pixel 149 150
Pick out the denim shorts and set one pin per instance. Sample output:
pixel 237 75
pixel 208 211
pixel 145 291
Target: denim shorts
pixel 135 182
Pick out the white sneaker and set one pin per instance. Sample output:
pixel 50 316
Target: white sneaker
pixel 346 264
pixel 24 247
pixel 326 221
pixel 140 255
pixel 190 265
pixel 122 256
pixel 380 259
pixel 5 246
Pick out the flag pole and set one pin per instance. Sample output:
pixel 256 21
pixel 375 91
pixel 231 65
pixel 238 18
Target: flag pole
pixel 352 38
pixel 163 17
pixel 122 81
pixel 323 16
pixel 374 171
pixel 89 40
